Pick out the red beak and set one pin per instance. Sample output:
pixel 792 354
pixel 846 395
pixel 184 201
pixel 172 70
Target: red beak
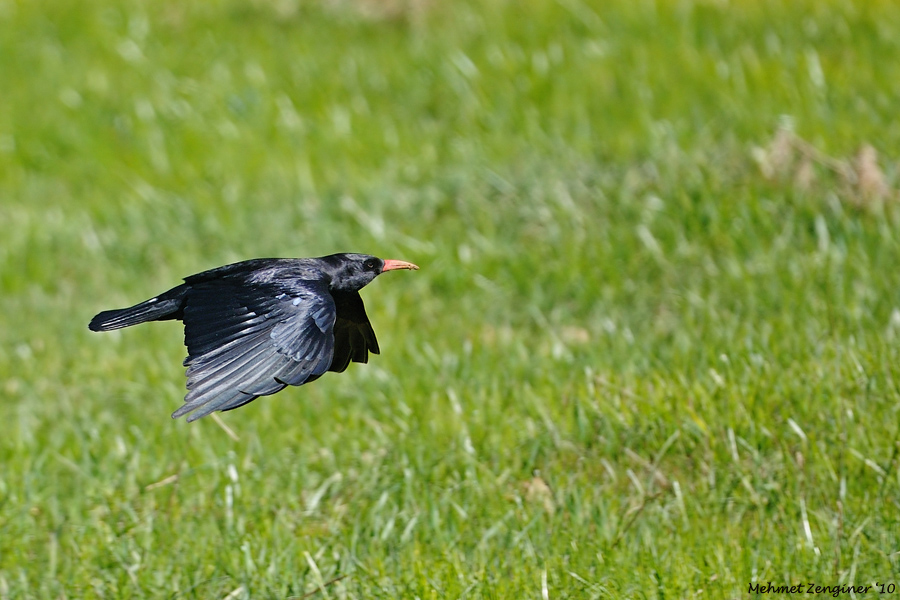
pixel 393 265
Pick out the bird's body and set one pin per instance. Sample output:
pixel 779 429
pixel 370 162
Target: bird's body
pixel 252 328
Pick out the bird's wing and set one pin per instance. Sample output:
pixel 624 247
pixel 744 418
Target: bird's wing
pixel 354 337
pixel 245 343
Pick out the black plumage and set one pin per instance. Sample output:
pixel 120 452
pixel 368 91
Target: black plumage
pixel 255 327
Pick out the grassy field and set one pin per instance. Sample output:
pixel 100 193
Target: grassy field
pixel 653 350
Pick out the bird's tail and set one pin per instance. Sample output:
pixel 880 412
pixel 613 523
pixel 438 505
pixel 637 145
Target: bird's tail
pixel 163 307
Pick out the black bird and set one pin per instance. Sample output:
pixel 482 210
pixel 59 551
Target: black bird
pixel 255 327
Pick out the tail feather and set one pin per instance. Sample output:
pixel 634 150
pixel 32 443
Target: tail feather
pixel 165 306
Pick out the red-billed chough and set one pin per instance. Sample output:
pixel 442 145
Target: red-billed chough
pixel 254 327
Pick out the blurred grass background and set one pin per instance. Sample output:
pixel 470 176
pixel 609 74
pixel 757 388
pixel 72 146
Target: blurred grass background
pixel 652 351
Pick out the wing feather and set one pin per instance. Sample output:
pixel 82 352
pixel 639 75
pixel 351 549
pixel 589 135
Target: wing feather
pixel 354 337
pixel 249 342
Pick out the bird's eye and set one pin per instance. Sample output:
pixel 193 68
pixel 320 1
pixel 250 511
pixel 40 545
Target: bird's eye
pixel 370 264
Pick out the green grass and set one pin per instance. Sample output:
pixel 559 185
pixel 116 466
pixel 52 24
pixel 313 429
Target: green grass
pixel 632 365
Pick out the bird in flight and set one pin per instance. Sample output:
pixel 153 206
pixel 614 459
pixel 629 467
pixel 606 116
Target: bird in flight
pixel 255 327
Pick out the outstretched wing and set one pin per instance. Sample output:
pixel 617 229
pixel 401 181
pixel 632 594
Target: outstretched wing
pixel 249 342
pixel 354 337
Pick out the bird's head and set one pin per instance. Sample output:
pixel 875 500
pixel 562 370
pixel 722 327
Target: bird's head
pixel 352 272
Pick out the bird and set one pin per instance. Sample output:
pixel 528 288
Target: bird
pixel 254 327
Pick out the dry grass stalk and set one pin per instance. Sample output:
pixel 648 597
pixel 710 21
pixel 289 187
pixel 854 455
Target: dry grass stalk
pixel 789 155
pixel 537 491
